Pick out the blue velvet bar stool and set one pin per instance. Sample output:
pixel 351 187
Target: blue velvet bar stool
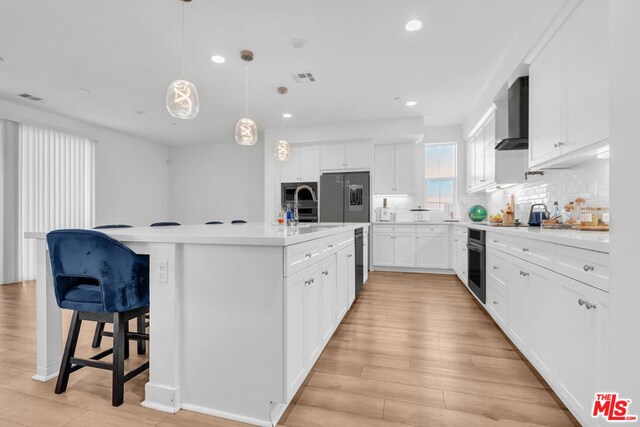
pixel 164 224
pixel 101 280
pixel 238 221
pixel 141 322
pixel 213 222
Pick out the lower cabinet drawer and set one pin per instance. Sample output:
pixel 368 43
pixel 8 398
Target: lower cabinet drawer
pixel 497 303
pixel 498 241
pixel 433 229
pixel 301 256
pixel 586 266
pixel 535 251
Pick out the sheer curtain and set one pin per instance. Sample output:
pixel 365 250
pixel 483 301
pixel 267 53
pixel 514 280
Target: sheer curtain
pixel 56 185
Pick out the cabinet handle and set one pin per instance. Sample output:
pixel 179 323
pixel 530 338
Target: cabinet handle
pixel 417 237
pixel 524 273
pixel 495 267
pixel 495 302
pixel 349 255
pixel 558 144
pixel 312 281
pixel 588 267
pixel 525 249
pixel 306 282
pixel 308 255
pixel 326 272
pixel 455 240
pixel 330 246
pixel 496 241
pixel 483 180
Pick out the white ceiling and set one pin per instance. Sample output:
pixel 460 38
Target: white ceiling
pixel 126 53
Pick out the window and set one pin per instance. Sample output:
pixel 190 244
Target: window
pixel 440 175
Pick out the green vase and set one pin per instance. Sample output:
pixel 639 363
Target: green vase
pixel 477 213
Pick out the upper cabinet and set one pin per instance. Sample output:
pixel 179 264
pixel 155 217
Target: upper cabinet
pixel 394 169
pixel 349 156
pixel 481 157
pixel 569 87
pixel 303 165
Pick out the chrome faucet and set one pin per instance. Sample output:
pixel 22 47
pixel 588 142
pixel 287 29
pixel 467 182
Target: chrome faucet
pixel 295 200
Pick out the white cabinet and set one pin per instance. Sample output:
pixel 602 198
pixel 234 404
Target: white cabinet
pixel 345 284
pixel 557 322
pixel 295 331
pixel 582 337
pixel 481 156
pixel 303 165
pixel 432 249
pixel 383 248
pixel 351 156
pixel 586 75
pixel 568 83
pixel 328 285
pixel 312 312
pixel 404 250
pixel 394 169
pixel 460 255
pixel 546 103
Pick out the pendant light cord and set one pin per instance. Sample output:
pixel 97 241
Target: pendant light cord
pixel 246 90
pixel 282 119
pixel 183 3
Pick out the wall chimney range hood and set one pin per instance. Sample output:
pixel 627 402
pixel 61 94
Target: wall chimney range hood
pixel 512 117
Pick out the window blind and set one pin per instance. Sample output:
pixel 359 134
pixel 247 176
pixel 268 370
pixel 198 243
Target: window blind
pixel 56 185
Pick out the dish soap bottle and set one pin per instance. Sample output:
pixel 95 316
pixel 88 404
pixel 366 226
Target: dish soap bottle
pixel 289 214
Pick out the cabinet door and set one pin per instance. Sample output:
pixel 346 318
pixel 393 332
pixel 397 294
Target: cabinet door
pixel 309 164
pixel 518 298
pixel 328 308
pixel 541 317
pixel 490 151
pixel 545 101
pixel 582 335
pixel 432 250
pixel 312 307
pixel 405 168
pixel 342 272
pixel 404 250
pixel 296 360
pixel 383 249
pixel 290 169
pixel 479 176
pixel 471 164
pixel 384 170
pixel 332 157
pixel 586 75
pixel 358 156
pixel 496 303
pixel 351 275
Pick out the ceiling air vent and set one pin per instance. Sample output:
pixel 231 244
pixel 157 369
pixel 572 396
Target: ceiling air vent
pixel 29 97
pixel 304 77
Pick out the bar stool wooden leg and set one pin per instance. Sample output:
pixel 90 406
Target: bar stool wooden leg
pixel 97 335
pixel 119 342
pixel 69 352
pixel 141 329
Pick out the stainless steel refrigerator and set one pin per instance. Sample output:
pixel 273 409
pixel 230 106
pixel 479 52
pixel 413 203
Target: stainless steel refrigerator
pixel 345 197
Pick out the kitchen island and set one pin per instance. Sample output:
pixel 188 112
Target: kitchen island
pixel 239 313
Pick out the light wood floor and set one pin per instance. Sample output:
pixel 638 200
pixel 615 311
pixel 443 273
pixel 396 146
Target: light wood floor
pixel 415 349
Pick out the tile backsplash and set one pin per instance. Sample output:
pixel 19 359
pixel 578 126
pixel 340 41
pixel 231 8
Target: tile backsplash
pixel 589 180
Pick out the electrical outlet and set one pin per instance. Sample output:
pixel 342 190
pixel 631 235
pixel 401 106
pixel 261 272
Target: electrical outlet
pixel 162 271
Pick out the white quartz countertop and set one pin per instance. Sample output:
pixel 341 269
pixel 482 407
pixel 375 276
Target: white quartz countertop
pixel 415 222
pixel 592 240
pixel 250 234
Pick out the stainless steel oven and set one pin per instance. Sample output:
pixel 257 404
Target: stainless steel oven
pixel 476 250
pixel 307 208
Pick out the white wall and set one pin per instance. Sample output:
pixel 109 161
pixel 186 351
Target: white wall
pixel 624 333
pixel 132 176
pixel 222 181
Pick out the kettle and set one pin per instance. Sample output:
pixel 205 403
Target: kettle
pixel 537 214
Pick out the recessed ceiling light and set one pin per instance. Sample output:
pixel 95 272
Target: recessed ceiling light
pixel 287 115
pixel 413 25
pixel 218 59
pixel 84 90
pixel 297 43
pixel 411 103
